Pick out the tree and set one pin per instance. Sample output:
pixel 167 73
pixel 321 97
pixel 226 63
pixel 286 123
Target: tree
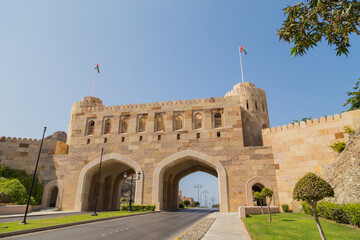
pixel 259 197
pixel 311 189
pixel 123 200
pixel 196 203
pixel 311 21
pixel 186 202
pixel 267 192
pixel 354 99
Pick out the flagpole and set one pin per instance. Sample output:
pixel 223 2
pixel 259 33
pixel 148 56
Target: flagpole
pixel 94 84
pixel 242 75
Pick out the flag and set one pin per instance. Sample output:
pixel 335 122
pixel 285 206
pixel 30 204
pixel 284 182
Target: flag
pixel 97 68
pixel 241 49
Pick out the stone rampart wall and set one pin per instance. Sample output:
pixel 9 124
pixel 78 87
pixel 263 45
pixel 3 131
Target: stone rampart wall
pixel 21 154
pixel 305 147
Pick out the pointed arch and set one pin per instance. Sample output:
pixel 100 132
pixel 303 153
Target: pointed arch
pixel 157 196
pixel 253 181
pixel 83 181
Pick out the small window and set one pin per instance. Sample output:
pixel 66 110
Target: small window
pixel 197 121
pixel 123 139
pixel 91 127
pixel 105 140
pixel 160 124
pixel 107 126
pixel 140 138
pixel 247 104
pixel 159 137
pixel 197 135
pixel 256 105
pixel 178 137
pixel 263 108
pixel 88 141
pixel 217 120
pixel 218 134
pixel 124 125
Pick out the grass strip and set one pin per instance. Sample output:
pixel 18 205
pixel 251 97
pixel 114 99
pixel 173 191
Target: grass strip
pixel 296 226
pixel 38 223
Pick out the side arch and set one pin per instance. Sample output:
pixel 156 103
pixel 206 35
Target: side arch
pixel 157 189
pixel 81 189
pixel 250 183
pixel 47 193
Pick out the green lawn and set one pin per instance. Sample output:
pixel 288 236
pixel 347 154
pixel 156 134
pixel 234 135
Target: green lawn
pixel 15 226
pixel 296 226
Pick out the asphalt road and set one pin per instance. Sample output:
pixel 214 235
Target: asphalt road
pixel 158 226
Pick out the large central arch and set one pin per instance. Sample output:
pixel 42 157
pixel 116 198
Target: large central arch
pixel 86 178
pixel 185 163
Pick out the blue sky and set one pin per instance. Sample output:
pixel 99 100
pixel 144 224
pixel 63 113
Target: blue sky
pixel 152 51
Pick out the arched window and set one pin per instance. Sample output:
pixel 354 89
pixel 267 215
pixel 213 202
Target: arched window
pixel 197 121
pixel 217 120
pixel 178 122
pixel 247 104
pixel 160 125
pixel 124 125
pixel 142 124
pixel 107 126
pixel 265 126
pixel 255 104
pixel 91 127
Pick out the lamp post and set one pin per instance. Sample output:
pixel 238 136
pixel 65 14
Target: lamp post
pixel 33 179
pixel 131 181
pixel 205 192
pixel 98 185
pixel 198 186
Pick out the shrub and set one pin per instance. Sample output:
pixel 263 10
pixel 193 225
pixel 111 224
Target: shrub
pixel 347 129
pixel 136 208
pixel 25 180
pixel 332 211
pixel 15 192
pixel 353 213
pixel 181 205
pixel 215 206
pixel 186 202
pixel 196 203
pixel 306 208
pixel 338 147
pixel 285 207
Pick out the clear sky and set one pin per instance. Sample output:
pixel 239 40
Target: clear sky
pixel 156 50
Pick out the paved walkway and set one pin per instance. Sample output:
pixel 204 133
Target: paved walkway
pixel 227 226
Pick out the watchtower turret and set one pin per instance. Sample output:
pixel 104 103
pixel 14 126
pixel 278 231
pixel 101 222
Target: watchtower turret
pixel 254 111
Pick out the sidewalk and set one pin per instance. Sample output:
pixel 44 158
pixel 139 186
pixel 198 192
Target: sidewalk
pixel 227 226
pixel 38 213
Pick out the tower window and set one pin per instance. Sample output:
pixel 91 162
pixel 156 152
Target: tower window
pixel 105 140
pixel 218 134
pixel 160 124
pixel 107 126
pixel 247 104
pixel 178 122
pixel 217 120
pixel 140 138
pixel 91 127
pixel 88 141
pixel 197 121
pixel 124 125
pixel 178 137
pixel 123 139
pixel 263 108
pixel 197 135
pixel 159 137
pixel 256 105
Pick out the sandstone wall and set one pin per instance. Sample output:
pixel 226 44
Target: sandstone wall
pixel 301 148
pixel 21 154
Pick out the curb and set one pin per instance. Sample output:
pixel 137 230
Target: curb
pixel 39 215
pixel 32 230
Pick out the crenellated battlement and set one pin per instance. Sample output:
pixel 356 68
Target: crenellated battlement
pixel 304 124
pixel 243 87
pixel 25 140
pixel 88 108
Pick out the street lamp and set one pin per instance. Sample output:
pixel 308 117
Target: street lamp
pixel 198 186
pixel 205 192
pixel 131 181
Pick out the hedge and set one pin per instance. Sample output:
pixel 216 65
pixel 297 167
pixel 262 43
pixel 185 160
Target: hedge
pixel 138 207
pixel 25 180
pixel 348 213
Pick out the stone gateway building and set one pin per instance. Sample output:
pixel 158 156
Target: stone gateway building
pixel 227 137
